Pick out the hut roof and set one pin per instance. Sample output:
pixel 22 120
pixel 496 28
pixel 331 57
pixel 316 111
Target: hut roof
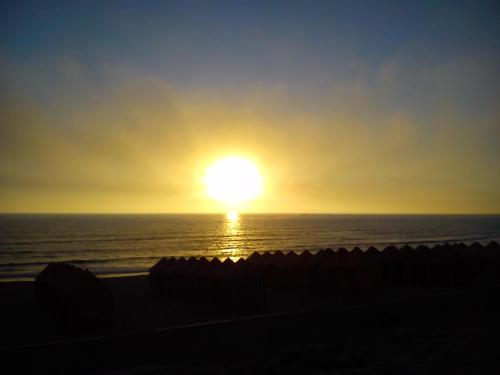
pixel 493 246
pixel 476 245
pixel 215 260
pixel 372 253
pixel 406 248
pixel 266 259
pixel 305 258
pixel 356 251
pixel 422 248
pixel 160 266
pixel 203 260
pixel 71 281
pixel 327 252
pixel 254 257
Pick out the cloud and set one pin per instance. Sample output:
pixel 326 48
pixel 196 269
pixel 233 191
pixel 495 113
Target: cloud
pixel 400 139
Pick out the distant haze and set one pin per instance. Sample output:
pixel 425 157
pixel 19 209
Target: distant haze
pixel 381 107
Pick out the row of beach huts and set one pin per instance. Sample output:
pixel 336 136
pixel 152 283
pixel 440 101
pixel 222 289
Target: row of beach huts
pixel 250 285
pixel 324 275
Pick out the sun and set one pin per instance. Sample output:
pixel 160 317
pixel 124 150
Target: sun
pixel 233 180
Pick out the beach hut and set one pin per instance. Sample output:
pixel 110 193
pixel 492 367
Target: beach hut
pixel 323 265
pixel 172 279
pixel 210 281
pixel 370 272
pixel 406 264
pixel 355 257
pixel 224 287
pixel 278 258
pixel 287 271
pixel 292 259
pixel 248 293
pixel 305 258
pixel 264 268
pixel 275 273
pixel 253 259
pixel 423 263
pixel 79 299
pixel 199 275
pixel 476 246
pixel 266 259
pixel 406 249
pixel 188 280
pixel 391 266
pixel 345 272
pixel 444 266
pixel 156 276
pixel 493 246
pixel 493 251
pixel 371 255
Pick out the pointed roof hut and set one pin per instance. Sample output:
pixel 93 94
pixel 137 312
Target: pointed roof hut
pixel 406 249
pixel 373 251
pixel 325 258
pixel 265 259
pixel 75 294
pixel 493 246
pixel 305 258
pixel 161 265
pixel 278 259
pixel 228 262
pixel 291 260
pixel 254 257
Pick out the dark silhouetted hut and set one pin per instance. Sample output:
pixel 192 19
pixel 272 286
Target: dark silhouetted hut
pixel 80 300
pixel 157 276
pixel 370 271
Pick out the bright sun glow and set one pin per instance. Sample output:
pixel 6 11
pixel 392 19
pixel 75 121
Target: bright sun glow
pixel 233 180
pixel 232 216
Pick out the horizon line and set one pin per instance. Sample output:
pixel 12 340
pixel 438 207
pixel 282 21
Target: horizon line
pixel 258 213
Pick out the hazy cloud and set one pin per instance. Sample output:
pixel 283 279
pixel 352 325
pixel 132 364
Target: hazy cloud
pixel 401 138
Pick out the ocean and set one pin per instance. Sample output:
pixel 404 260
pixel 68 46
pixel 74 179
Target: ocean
pixel 129 244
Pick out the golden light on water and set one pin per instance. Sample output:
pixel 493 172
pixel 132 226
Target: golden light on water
pixel 232 216
pixel 233 180
pixel 231 243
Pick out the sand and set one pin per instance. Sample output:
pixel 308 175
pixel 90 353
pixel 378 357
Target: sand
pixel 401 331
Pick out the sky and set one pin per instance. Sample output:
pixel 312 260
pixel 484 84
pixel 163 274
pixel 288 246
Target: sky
pixel 345 106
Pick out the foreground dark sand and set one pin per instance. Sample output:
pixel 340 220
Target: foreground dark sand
pixel 398 331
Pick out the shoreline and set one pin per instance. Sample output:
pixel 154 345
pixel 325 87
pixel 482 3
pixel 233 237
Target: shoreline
pixel 346 319
pixel 100 276
pixel 363 246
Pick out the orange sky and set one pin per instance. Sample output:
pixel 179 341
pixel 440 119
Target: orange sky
pixel 122 111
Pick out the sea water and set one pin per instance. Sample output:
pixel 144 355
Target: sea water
pixel 127 244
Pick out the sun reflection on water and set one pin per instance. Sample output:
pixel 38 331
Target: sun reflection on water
pixel 232 216
pixel 233 232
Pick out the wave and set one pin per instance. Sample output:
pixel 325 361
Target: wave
pixel 79 261
pixel 31 275
pixel 86 261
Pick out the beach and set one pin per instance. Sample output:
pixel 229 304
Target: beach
pixel 398 331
